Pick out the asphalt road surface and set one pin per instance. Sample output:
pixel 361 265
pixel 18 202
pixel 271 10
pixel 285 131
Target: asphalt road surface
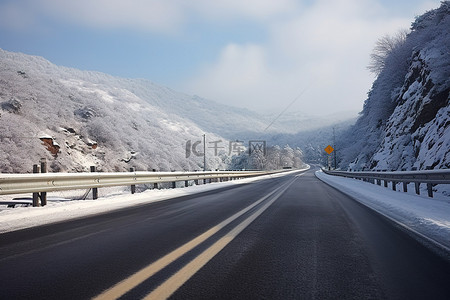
pixel 289 237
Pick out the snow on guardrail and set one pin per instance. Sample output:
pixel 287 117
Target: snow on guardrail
pixel 429 177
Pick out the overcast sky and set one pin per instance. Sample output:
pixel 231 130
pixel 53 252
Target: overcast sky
pixel 258 54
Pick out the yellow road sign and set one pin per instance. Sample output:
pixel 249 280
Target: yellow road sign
pixel 329 149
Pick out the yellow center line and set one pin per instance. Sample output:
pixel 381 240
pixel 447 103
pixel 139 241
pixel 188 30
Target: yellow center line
pixel 137 278
pixel 166 289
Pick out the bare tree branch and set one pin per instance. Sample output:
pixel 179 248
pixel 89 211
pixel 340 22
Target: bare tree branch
pixel 384 47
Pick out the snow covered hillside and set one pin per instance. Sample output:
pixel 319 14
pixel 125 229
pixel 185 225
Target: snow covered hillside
pixel 76 119
pixel 405 121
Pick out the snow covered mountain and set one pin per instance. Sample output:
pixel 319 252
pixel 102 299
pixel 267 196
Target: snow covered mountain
pixel 76 119
pixel 405 121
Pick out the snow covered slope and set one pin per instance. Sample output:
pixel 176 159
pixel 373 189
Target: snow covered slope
pixel 79 118
pixel 76 119
pixel 405 120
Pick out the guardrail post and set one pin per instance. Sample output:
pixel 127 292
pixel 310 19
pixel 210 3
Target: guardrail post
pixel 94 190
pixel 174 184
pixel 430 189
pixel 417 186
pixel 186 183
pixel 196 181
pixel 378 181
pixel 43 195
pixel 155 185
pixel 133 186
pixel 385 183
pixel 394 185
pixel 35 195
pixel 405 186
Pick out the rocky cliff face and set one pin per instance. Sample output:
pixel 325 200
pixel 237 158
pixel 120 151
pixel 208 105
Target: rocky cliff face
pixel 405 121
pixel 417 134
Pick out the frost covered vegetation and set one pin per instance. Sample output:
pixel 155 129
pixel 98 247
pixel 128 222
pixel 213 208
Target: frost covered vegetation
pixel 405 121
pixel 76 119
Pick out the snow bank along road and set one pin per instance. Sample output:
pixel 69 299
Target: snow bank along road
pixel 288 237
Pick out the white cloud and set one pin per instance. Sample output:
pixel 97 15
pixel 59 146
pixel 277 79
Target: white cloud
pixel 165 16
pixel 239 66
pixel 236 78
pixel 143 15
pixel 17 17
pixel 153 15
pixel 253 9
pixel 324 48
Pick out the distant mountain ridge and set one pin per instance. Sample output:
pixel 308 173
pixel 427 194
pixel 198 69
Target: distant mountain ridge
pixel 405 121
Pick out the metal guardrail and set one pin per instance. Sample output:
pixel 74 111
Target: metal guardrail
pixel 429 177
pixel 50 182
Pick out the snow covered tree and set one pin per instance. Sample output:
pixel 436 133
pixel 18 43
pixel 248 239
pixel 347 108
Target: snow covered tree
pixel 273 158
pixel 258 160
pixel 384 47
pixel 287 157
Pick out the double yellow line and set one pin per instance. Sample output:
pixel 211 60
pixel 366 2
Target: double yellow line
pixel 168 287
